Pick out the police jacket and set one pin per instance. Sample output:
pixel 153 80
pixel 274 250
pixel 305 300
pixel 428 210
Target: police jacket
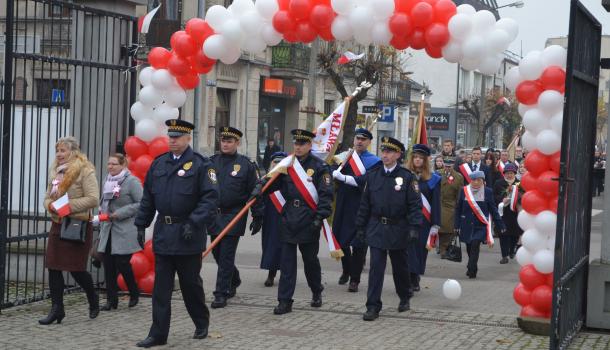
pixel 237 177
pixel 182 191
pixel 389 207
pixel 297 217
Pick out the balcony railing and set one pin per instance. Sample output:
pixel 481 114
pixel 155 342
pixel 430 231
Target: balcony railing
pixel 293 57
pixel 397 92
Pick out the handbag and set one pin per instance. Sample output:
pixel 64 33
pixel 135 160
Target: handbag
pixel 454 250
pixel 73 230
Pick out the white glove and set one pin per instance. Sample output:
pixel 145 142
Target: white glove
pixel 338 176
pixel 501 209
pixel 434 230
pixel 95 220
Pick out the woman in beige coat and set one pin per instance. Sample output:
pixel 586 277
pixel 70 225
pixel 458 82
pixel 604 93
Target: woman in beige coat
pixel 70 173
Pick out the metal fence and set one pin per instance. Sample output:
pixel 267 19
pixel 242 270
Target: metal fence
pixel 575 177
pixel 66 73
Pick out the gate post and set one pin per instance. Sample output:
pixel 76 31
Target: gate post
pixel 6 143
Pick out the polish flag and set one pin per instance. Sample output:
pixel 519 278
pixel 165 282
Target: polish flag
pixel 356 164
pixel 62 206
pixel 144 21
pixel 348 57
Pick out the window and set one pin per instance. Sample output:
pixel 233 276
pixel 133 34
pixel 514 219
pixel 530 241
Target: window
pixel 165 23
pixel 329 107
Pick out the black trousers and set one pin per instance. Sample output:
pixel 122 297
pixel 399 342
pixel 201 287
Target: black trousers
pixel 56 285
pixel 472 249
pixel 191 286
pixel 114 264
pixel 228 274
pixel 288 269
pixel 508 245
pixel 353 262
pixel 400 274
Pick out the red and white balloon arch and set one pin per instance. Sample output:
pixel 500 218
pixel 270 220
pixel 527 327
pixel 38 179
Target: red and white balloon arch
pixel 457 34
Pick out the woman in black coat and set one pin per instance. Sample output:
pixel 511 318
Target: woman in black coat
pixel 494 174
pixel 507 194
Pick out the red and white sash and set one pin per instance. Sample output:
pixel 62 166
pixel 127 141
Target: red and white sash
pixel 501 166
pixel 478 212
pixel 278 200
pixel 514 197
pixel 426 208
pixel 356 164
pixel 465 170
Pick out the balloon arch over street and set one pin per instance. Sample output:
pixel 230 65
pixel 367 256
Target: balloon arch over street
pixel 474 39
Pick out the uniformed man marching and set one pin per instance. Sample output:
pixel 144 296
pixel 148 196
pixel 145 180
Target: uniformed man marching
pixel 237 177
pixel 181 186
pixel 390 217
pixel 302 220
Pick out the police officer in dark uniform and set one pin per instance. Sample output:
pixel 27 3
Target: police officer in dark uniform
pixel 389 217
pixel 300 223
pixel 181 186
pixel 237 177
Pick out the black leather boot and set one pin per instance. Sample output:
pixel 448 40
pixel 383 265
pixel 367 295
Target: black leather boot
pixel 94 304
pixel 283 307
pixel 56 314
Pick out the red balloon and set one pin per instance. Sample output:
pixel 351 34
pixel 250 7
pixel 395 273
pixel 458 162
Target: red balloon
pixel 404 5
pixel 418 39
pixel 534 202
pixel 147 283
pixel 400 42
pixel 553 78
pixel 549 280
pixel 554 162
pixel 431 2
pixel 188 81
pixel 283 22
pixel 530 277
pixel 143 163
pixel 529 181
pixel 400 24
pixel 434 52
pixel 135 147
pixel 139 264
pixel 158 57
pixel 200 63
pixel 158 146
pixel 120 281
pixel 198 29
pixel 528 92
pixel 437 35
pixel 178 66
pixel 547 185
pixel 283 4
pixel 444 10
pixel 531 311
pixel 322 16
pixel 537 162
pixel 326 34
pixel 291 36
pixel 554 204
pixel 174 37
pixel 542 298
pixel 185 46
pixel 148 252
pixel 522 295
pixel 299 9
pixel 422 15
pixel 306 33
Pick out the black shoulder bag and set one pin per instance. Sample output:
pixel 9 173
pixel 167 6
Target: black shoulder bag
pixel 73 230
pixel 454 250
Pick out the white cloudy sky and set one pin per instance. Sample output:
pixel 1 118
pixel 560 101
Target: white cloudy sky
pixel 542 19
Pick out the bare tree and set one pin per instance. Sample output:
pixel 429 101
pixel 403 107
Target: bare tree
pixel 494 109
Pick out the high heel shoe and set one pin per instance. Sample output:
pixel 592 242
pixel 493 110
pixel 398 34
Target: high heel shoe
pixel 94 305
pixel 56 314
pixel 133 300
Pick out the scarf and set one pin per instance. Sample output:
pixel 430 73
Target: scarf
pixel 61 170
pixel 112 188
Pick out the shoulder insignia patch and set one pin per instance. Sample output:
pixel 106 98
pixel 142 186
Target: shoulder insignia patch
pixel 212 176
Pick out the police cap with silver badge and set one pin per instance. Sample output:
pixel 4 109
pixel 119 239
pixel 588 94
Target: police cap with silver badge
pixel 300 135
pixel 178 127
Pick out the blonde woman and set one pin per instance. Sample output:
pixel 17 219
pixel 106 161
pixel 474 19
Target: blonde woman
pixel 71 173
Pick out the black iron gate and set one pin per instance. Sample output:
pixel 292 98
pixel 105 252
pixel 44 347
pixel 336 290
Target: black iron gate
pixel 66 73
pixel 575 180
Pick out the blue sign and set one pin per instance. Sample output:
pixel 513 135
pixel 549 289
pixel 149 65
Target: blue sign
pixel 387 113
pixel 57 96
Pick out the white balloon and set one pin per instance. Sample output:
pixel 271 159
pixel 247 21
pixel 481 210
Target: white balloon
pixel 557 122
pixel 216 16
pixel 452 289
pixel 554 55
pixel 150 96
pixel 251 22
pixel 381 34
pixel 512 78
pixel 342 7
pixel 533 240
pixel 531 66
pixel 550 102
pixel 146 129
pixel 363 37
pixel 215 46
pixel 240 7
pixel 546 222
pixel 145 76
pixel 360 19
pixel 526 221
pixel 466 9
pixel 271 36
pixel 535 121
pixel 548 142
pixel 165 112
pixel 175 97
pixel 550 243
pixel 341 28
pixel 544 261
pixel 524 108
pixel 162 79
pixel 139 111
pixel 473 47
pixel 490 64
pixel 483 21
pixel 469 64
pixel 232 55
pixel 529 140
pixel 497 41
pixel 254 44
pixel 383 8
pixel 460 26
pixel 231 30
pixel 510 26
pixel 452 52
pixel 267 8
pixel 523 256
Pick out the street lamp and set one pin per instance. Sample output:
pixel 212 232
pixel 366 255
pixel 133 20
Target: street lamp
pixel 517 4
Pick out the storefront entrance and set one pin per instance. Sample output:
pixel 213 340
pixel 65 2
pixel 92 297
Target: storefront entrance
pixel 271 122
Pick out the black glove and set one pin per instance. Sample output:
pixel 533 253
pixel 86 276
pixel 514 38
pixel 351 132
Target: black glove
pixel 256 224
pixel 413 235
pixel 316 225
pixel 141 235
pixel 361 234
pixel 257 192
pixel 187 232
